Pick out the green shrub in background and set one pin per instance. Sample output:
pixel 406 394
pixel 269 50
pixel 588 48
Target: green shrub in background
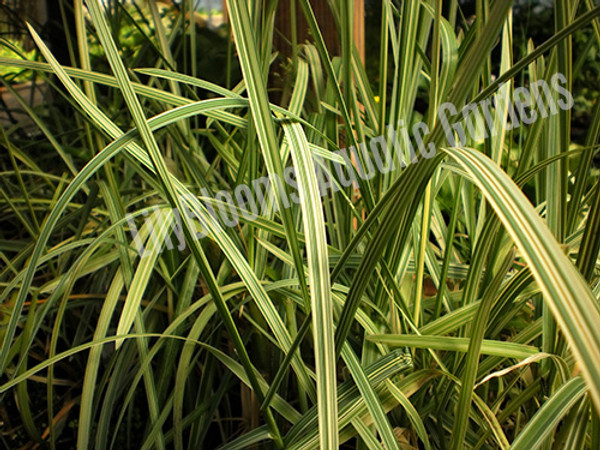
pixel 14 74
pixel 448 304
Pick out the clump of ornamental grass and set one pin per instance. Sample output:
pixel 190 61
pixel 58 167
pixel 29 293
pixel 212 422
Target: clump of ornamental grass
pixel 448 303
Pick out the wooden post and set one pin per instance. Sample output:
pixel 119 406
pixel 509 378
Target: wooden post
pixel 283 27
pixel 359 28
pixel 326 23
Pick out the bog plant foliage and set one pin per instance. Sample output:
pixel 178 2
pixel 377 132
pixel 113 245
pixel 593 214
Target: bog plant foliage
pixel 450 303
